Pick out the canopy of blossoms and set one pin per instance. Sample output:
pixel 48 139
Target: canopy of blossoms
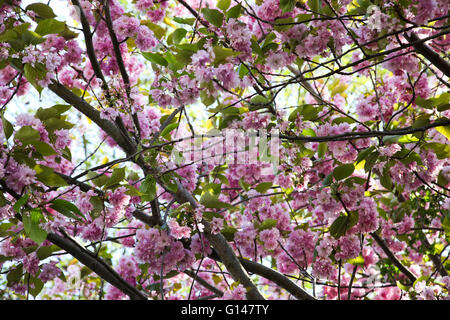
pixel 230 149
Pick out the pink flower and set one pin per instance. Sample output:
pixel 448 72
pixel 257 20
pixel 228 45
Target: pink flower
pixel 277 60
pixel 390 150
pixel 118 198
pixel 126 27
pixel 270 238
pixel 200 58
pixel 323 268
pixel 200 245
pixel 237 293
pixel 145 39
pixel 129 269
pixel 405 225
pixel 155 16
pixel 18 175
pixel 225 73
pixel 178 231
pixel 144 5
pixel 425 10
pixel 62 139
pixel 349 246
pixel 49 271
pixel 53 60
pixel 31 263
pixel 83 201
pixel 216 225
pixel 112 293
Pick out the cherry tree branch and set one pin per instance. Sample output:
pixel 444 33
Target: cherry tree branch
pixel 182 195
pixel 119 59
pixel 277 278
pixel 89 111
pixel 368 134
pixel 428 53
pixel 412 278
pixel 86 257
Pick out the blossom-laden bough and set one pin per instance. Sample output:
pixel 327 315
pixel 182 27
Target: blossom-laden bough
pixel 281 149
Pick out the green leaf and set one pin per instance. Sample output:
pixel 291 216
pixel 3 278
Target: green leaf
pixel 302 17
pixel 53 124
pixel 27 134
pixel 43 148
pixel 67 209
pixel 212 201
pixel 188 21
pixel 256 48
pixel 14 275
pixel 370 160
pixel 343 171
pixel 263 187
pixel 132 191
pixel 31 226
pixel 234 12
pixel 31 37
pixel 117 176
pixel 169 128
pixel 214 16
pixel 339 227
pixel 228 232
pixel 328 180
pixel 34 74
pixel 425 103
pixel 364 4
pixel 287 5
pixel 155 58
pixel 358 261
pixel 159 31
pixel 363 154
pixel 45 252
pixel 322 149
pixel 268 224
pixel 206 98
pixel 385 178
pixel 98 204
pixel 8 128
pixel 53 112
pixel 258 102
pixel 343 223
pixel 21 202
pixel 223 4
pixel 178 35
pixel 42 10
pixel 36 286
pixel 244 185
pixel 148 189
pixel 445 131
pixel 284 24
pixel 309 112
pixel 314 5
pixel 66 153
pixel 259 99
pixel 10 35
pixel 221 54
pixel 50 26
pixel 48 177
pixel 68 34
pixel 443 107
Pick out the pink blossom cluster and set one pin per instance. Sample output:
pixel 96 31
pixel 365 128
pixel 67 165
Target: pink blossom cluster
pixel 162 252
